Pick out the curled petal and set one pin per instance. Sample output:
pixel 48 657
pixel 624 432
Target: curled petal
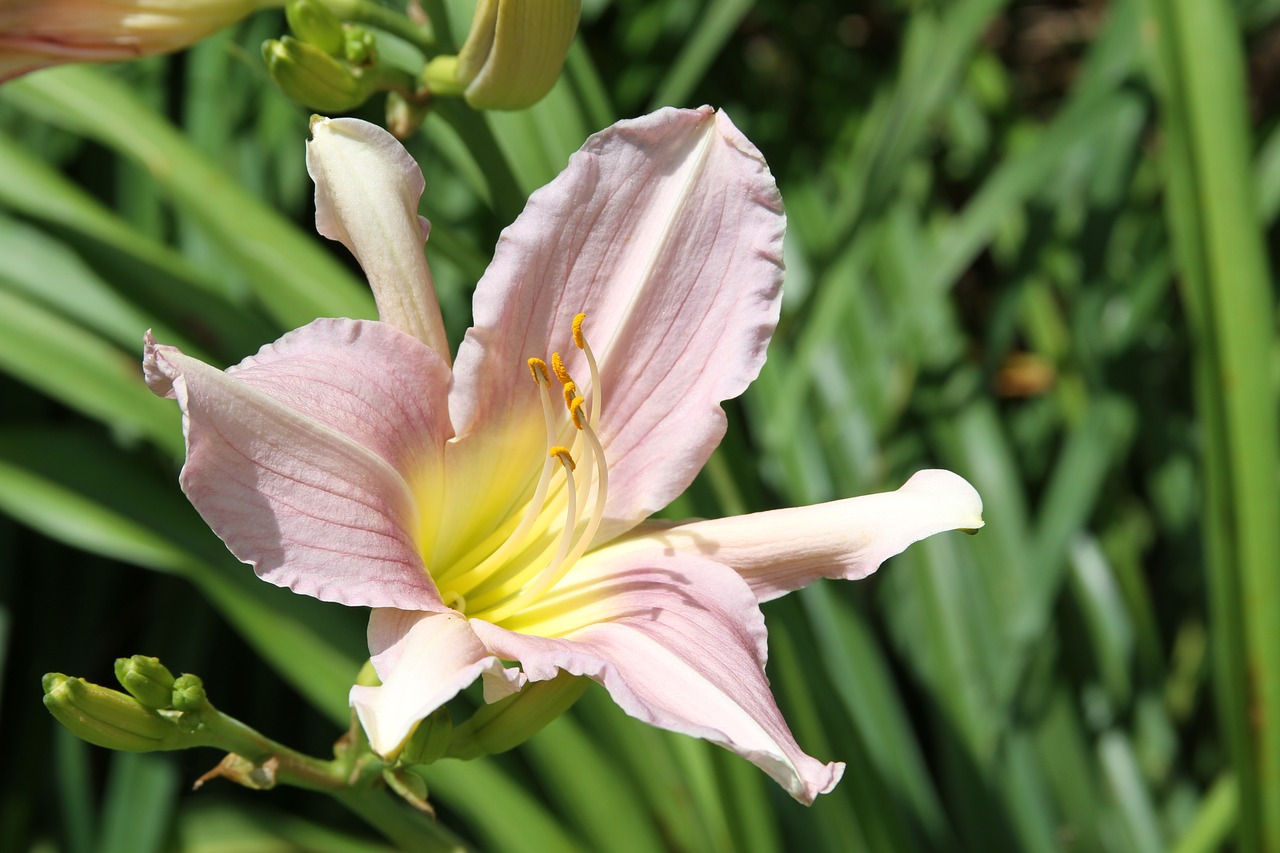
pixel 666 231
pixel 367 192
pixel 423 659
pixel 276 463
pixel 785 549
pixel 678 643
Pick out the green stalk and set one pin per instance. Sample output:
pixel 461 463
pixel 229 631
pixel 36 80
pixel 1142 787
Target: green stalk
pixel 1226 284
pixel 422 37
pixel 504 190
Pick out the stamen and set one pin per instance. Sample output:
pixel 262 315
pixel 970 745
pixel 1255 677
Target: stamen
pixel 512 604
pixel 573 543
pixel 538 368
pixel 553 573
pixel 562 453
pixel 597 393
pixel 557 364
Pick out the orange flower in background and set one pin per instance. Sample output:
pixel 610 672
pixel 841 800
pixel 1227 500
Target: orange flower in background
pixel 38 33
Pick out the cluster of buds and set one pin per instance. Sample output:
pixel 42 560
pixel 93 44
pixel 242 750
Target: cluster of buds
pixel 158 711
pixel 336 57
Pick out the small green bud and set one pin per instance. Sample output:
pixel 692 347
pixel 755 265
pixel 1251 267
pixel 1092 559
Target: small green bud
pixel 428 742
pixel 107 717
pixel 310 76
pixel 411 788
pixel 509 722
pixel 147 680
pixel 312 22
pixel 188 693
pixel 359 46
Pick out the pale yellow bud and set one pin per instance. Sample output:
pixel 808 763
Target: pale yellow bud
pixel 515 50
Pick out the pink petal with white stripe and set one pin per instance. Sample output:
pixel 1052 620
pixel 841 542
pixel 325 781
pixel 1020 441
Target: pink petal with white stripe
pixel 278 464
pixel 666 231
pixel 679 643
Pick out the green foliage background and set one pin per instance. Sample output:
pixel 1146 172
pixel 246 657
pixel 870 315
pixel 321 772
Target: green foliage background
pixel 1028 242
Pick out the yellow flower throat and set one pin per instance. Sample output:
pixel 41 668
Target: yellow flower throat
pixel 571 491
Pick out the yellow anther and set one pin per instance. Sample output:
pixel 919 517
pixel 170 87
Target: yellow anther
pixel 557 365
pixel 538 368
pixel 579 341
pixel 575 407
pixel 570 391
pixel 562 453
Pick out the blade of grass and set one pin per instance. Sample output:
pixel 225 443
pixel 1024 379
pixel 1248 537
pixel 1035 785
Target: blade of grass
pixel 288 271
pixel 1218 241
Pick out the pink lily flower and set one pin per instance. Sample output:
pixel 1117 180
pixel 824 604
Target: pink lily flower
pixel 493 510
pixel 39 33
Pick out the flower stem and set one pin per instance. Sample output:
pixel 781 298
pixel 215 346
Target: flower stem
pixel 421 36
pixel 504 190
pixel 408 829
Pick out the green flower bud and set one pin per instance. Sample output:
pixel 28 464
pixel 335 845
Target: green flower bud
pixel 313 23
pixel 107 717
pixel 428 742
pixel 310 76
pixel 410 787
pixel 147 680
pixel 188 694
pixel 404 116
pixel 514 52
pixel 359 46
pixel 511 721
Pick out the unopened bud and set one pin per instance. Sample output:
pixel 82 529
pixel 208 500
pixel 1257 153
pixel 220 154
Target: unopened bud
pixel 428 742
pixel 411 787
pixel 358 45
pixel 188 693
pixel 511 721
pixel 312 22
pixel 107 717
pixel 310 76
pixel 514 52
pixel 147 680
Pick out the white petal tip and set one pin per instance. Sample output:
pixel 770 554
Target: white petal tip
pixel 963 504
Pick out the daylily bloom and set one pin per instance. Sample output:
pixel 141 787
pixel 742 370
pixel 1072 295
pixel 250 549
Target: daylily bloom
pixel 493 510
pixel 39 33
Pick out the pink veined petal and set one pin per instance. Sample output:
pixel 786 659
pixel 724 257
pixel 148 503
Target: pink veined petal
pixel 423 659
pixel 304 501
pixel 667 232
pixel 786 549
pixel 367 192
pixel 678 641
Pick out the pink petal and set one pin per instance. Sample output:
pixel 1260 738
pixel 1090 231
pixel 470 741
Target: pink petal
pixel 667 232
pixel 786 549
pixel 367 192
pixel 423 659
pixel 678 642
pixel 298 458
